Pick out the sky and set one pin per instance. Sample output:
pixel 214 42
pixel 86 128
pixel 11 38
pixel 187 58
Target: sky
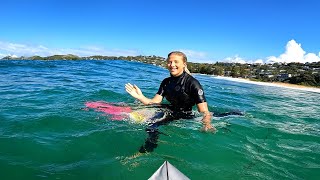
pixel 244 31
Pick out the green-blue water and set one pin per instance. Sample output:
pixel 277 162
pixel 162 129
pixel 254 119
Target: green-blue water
pixel 46 134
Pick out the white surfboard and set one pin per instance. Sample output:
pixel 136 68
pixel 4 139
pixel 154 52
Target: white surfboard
pixel 168 171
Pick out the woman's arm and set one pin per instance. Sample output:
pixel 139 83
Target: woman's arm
pixel 135 92
pixel 206 120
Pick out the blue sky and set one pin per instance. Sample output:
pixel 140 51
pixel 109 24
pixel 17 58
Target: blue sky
pixel 206 30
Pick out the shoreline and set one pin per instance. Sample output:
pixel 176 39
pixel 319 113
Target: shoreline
pixel 274 84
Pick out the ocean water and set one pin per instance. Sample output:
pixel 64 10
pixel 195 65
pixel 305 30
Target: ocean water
pixel 46 132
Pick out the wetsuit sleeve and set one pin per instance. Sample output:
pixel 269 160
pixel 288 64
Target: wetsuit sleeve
pixel 197 92
pixel 161 88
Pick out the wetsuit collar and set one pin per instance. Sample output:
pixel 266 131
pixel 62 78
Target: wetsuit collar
pixel 177 77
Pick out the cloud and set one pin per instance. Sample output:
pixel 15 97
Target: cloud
pixel 21 49
pixel 7 49
pixel 2 55
pixel 196 56
pixel 294 53
pixel 258 61
pixel 235 59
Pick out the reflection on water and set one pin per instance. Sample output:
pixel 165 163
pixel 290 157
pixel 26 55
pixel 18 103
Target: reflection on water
pixel 45 132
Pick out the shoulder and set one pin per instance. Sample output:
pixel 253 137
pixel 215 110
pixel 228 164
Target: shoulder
pixel 165 81
pixel 192 80
pixel 194 86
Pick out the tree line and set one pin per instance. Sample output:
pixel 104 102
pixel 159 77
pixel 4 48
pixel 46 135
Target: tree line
pixel 295 73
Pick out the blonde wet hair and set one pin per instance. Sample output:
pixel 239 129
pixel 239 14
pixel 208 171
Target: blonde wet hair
pixel 185 59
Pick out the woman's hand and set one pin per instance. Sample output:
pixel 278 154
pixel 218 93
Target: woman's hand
pixel 207 127
pixel 134 91
pixel 206 120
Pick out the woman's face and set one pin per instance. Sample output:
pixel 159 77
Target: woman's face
pixel 175 64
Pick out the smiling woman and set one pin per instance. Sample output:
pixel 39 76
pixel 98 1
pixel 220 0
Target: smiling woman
pixel 182 91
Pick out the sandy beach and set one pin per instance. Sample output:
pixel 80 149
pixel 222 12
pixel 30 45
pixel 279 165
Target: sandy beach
pixel 275 84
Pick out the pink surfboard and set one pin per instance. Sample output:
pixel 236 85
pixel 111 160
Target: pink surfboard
pixel 116 112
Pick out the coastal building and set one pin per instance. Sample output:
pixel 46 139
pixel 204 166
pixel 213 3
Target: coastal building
pixel 283 76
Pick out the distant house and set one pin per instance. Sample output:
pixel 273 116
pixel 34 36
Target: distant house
pixel 267 74
pixel 316 69
pixel 227 73
pixel 283 76
pixel 270 75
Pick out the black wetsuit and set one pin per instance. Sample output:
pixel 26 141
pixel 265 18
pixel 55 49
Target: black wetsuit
pixel 183 92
